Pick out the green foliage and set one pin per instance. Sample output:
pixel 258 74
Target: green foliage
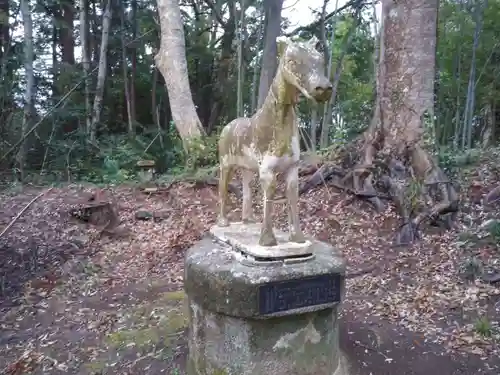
pixel 454 57
pixel 355 94
pixel 202 152
pixel 450 159
pixel 413 194
pixel 59 148
pixel 471 268
pixel 483 326
pixel 494 231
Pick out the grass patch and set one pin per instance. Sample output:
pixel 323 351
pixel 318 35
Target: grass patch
pixel 483 327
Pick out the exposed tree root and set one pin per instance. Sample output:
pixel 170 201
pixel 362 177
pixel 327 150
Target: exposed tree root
pixel 337 177
pixel 493 196
pixel 412 181
pixel 214 181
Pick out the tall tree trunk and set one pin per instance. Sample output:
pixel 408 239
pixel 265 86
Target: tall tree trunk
pixel 67 40
pixel 93 39
pixel 5 66
pixel 457 64
pixel 314 128
pixel 328 108
pixel 273 10
pixel 4 39
pixel 489 126
pixel 131 130
pixel 471 89
pixel 223 66
pixel 328 67
pixel 241 68
pixel 376 49
pixel 154 107
pixel 55 59
pixel 134 61
pixel 171 62
pixel 4 29
pixel 30 83
pixel 257 65
pixel 405 96
pixel 101 74
pixel 84 27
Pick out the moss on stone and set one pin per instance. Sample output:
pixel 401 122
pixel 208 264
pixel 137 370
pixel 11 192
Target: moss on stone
pixel 140 338
pixel 207 369
pixel 165 330
pixel 173 325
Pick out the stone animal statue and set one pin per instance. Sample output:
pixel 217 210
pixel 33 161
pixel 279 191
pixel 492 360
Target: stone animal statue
pixel 268 142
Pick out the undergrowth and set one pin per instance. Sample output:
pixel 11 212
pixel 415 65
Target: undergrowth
pixel 113 161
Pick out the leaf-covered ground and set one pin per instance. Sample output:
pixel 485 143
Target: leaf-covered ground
pixel 76 301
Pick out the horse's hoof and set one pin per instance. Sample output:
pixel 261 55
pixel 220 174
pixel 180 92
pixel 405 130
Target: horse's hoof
pixel 267 238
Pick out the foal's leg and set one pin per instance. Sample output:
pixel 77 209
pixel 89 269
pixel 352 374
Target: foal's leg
pixel 226 172
pixel 292 195
pixel 268 184
pixel 247 211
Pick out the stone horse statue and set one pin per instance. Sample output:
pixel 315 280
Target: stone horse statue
pixel 268 142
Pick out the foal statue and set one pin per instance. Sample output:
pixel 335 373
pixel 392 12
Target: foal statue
pixel 268 142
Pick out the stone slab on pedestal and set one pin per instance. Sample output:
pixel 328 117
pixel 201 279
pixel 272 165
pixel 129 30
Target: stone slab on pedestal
pixel 245 237
pixel 271 319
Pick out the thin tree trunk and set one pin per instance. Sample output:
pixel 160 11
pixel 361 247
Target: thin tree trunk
pixel 84 24
pixel 328 110
pixel 93 36
pixel 457 62
pixel 269 61
pixel 314 128
pixel 154 107
pixel 376 49
pixel 101 74
pixel 4 31
pixel 55 62
pixel 5 66
pixel 223 66
pixel 133 111
pixel 257 65
pixel 328 67
pixel 471 91
pixel 489 119
pixel 67 40
pixel 239 104
pixel 30 83
pixel 131 130
pixel 171 62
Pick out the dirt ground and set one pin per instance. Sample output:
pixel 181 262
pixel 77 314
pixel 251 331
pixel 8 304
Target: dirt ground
pixel 74 300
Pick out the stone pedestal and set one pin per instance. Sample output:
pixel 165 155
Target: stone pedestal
pixel 258 314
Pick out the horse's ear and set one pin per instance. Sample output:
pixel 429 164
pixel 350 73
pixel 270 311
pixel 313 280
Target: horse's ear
pixel 282 43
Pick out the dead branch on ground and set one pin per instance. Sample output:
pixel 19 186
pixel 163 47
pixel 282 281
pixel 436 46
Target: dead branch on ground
pixel 23 210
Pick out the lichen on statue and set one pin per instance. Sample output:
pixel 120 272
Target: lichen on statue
pixel 268 143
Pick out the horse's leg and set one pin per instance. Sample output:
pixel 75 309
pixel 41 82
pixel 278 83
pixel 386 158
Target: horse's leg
pixel 292 195
pixel 268 184
pixel 247 211
pixel 226 172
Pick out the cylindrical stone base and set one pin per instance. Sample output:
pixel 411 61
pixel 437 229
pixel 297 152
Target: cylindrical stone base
pixel 241 322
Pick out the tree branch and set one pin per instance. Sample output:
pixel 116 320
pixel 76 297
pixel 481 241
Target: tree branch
pixel 352 3
pixel 217 14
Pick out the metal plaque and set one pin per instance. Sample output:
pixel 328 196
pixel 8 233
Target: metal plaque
pixel 295 294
